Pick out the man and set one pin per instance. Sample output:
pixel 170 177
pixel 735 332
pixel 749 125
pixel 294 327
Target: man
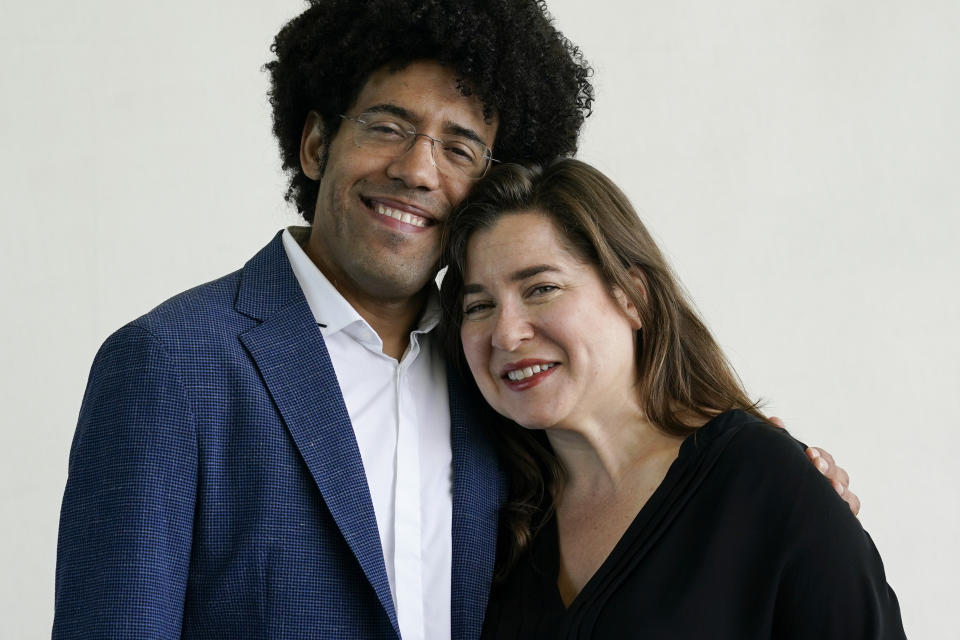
pixel 281 453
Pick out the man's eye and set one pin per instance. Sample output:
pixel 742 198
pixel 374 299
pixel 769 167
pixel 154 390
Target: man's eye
pixel 459 152
pixel 385 130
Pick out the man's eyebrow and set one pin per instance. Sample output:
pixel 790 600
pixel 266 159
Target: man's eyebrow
pixel 448 126
pixel 386 107
pixel 516 276
pixel 464 132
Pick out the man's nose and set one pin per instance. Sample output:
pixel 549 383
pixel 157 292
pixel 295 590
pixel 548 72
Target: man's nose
pixel 417 166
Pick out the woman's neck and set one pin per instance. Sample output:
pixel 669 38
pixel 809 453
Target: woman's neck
pixel 613 467
pixel 600 455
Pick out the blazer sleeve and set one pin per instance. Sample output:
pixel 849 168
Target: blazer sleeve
pixel 126 522
pixel 833 584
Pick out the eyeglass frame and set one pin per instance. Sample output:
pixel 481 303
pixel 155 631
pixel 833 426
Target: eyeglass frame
pixel 413 134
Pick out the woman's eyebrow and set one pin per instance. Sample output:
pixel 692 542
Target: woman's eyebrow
pixel 517 276
pixel 529 272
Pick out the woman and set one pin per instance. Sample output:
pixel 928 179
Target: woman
pixel 649 496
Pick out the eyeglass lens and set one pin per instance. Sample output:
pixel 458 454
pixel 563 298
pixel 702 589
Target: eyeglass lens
pixel 453 155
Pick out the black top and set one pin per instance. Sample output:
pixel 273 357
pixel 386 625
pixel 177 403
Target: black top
pixel 743 539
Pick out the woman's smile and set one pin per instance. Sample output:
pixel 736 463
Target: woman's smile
pixel 522 375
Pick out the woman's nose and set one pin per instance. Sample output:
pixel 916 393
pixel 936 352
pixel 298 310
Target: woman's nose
pixel 512 328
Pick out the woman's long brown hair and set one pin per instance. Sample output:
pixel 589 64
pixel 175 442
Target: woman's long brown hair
pixel 682 373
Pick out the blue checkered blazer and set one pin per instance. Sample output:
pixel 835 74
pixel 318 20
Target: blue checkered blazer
pixel 215 486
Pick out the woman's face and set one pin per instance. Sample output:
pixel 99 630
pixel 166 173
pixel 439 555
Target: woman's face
pixel 547 343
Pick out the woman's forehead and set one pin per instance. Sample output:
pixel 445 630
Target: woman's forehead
pixel 517 242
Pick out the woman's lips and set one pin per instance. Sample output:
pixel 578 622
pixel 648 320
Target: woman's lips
pixel 524 374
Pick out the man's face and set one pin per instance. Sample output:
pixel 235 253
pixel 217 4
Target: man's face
pixel 357 239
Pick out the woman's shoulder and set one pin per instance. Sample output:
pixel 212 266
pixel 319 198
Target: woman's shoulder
pixel 762 462
pixel 739 436
pixel 829 563
pixel 764 471
pixel 757 439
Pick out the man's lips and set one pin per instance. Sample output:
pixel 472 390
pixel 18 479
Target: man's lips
pixel 401 212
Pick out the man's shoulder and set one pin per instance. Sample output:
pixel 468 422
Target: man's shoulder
pixel 198 324
pixel 209 305
pixel 215 307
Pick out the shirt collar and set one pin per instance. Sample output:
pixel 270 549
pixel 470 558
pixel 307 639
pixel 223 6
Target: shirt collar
pixel 330 309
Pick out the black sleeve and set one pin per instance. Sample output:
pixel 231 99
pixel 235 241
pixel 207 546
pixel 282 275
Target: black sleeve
pixel 832 583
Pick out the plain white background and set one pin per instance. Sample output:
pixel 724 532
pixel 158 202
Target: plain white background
pixel 797 159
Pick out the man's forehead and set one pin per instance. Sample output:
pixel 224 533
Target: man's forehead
pixel 424 90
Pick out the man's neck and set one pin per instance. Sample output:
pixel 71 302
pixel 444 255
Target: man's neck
pixel 391 317
pixel 391 320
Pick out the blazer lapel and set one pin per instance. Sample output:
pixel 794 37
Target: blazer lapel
pixel 479 489
pixel 292 357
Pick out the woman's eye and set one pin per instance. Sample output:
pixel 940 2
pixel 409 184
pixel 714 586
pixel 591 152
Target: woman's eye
pixel 543 289
pixel 475 308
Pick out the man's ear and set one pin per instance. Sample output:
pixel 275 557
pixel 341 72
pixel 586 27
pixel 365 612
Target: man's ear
pixel 626 303
pixel 312 142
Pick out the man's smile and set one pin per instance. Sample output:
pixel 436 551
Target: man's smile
pixel 401 212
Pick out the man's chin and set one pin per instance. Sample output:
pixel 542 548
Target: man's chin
pixel 401 283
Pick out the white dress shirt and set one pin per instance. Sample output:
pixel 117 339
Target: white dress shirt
pixel 401 419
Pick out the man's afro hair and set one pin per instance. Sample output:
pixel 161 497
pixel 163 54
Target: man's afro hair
pixel 507 52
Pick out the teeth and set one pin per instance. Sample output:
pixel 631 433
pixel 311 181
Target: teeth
pixel 402 216
pixel 526 372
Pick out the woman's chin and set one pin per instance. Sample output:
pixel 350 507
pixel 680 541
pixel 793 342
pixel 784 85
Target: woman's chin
pixel 531 422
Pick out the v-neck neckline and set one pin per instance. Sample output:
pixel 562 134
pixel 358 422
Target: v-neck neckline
pixel 663 496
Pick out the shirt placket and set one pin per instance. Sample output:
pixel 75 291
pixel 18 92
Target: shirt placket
pixel 407 519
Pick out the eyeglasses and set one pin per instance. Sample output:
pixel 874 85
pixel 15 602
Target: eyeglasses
pixel 387 135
